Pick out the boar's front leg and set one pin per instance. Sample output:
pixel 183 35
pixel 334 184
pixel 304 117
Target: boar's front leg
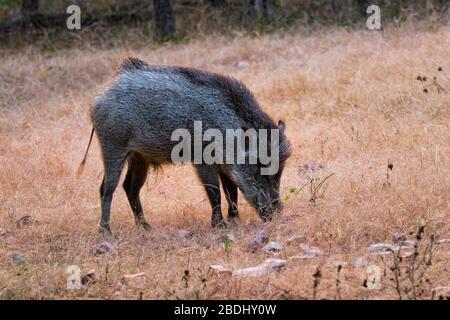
pixel 231 194
pixel 209 176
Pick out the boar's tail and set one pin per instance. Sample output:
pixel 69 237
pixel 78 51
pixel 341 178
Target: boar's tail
pixel 81 167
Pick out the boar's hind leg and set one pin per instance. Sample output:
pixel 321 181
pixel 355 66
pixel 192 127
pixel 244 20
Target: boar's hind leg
pixel 231 193
pixel 113 162
pixel 134 180
pixel 209 177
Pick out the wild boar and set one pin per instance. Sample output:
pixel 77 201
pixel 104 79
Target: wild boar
pixel 135 120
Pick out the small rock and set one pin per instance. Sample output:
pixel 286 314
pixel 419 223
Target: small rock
pixel 310 250
pixel 217 268
pixel 88 278
pixel 255 245
pixel 3 231
pixel 258 242
pixel 272 247
pixel 262 236
pixel 26 221
pixel 296 240
pixel 406 244
pixel 268 266
pixel 360 262
pixel 105 247
pixel 18 258
pixel 398 237
pixel 381 248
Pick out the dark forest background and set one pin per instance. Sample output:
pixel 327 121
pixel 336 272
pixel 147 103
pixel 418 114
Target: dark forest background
pixel 103 22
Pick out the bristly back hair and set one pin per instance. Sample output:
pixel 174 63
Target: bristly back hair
pixel 131 63
pixel 238 97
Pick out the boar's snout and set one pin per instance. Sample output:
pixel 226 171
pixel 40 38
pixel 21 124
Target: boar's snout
pixel 267 211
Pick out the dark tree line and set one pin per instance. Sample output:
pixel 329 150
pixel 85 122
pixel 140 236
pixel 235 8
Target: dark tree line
pixel 165 26
pixel 30 7
pixel 219 3
pixel 165 20
pixel 164 15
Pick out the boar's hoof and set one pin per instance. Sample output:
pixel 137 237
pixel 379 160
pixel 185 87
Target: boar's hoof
pixel 219 224
pixel 145 225
pixel 106 232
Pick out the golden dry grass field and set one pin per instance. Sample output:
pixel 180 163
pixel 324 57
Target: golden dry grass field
pixel 352 103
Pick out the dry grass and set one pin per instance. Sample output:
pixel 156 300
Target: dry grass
pixel 351 102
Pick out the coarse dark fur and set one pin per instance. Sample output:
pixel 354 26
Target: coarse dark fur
pixel 134 120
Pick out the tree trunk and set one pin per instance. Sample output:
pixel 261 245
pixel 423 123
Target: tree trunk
pixel 265 8
pixel 259 8
pixel 30 7
pixel 363 5
pixel 164 19
pixel 271 9
pixel 219 3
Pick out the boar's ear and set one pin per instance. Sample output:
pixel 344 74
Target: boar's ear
pixel 281 126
